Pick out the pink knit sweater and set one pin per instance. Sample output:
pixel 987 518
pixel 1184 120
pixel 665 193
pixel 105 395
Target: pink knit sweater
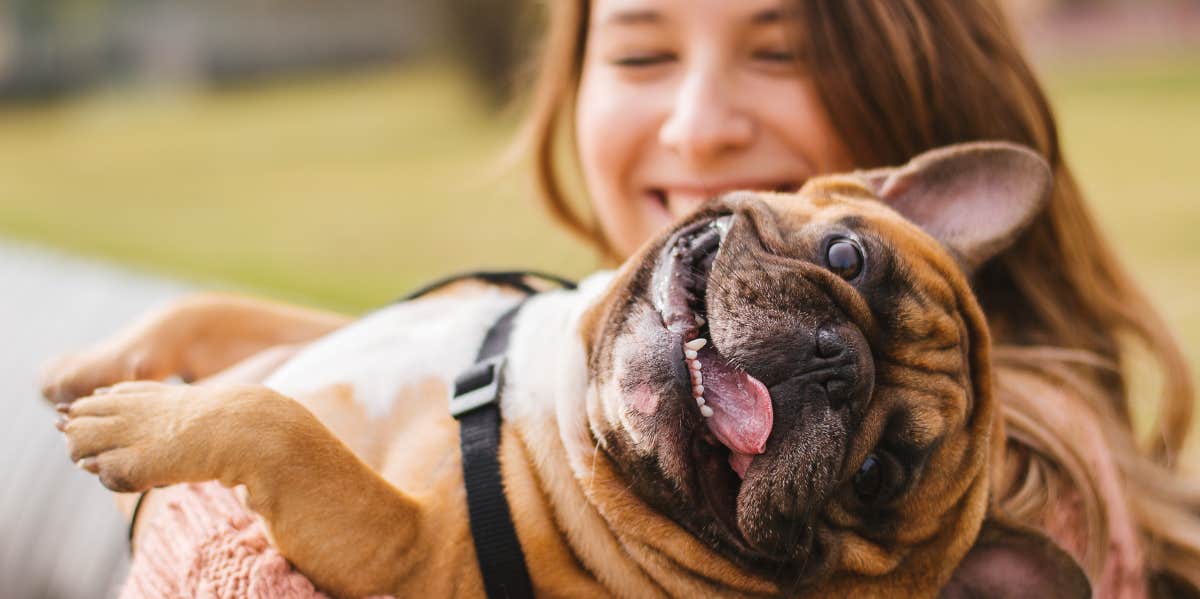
pixel 208 546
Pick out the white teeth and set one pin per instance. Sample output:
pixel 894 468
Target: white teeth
pixel 700 320
pixel 694 367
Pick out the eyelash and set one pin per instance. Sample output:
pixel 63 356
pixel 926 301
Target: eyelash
pixel 643 61
pixel 775 56
pixel 649 60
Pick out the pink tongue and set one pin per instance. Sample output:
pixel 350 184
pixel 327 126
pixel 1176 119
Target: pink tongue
pixel 742 414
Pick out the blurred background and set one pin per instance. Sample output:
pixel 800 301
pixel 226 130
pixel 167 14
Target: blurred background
pixel 339 154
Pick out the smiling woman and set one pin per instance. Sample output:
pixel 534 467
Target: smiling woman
pixel 669 100
pixel 678 104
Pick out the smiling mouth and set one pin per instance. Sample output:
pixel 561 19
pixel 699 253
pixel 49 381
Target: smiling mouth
pixel 678 200
pixel 734 407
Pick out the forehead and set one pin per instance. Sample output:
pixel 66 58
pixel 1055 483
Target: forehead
pixel 831 200
pixel 609 14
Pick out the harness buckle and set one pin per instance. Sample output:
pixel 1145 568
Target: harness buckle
pixel 478 386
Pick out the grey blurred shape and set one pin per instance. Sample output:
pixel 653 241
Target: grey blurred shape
pixel 60 533
pixel 51 48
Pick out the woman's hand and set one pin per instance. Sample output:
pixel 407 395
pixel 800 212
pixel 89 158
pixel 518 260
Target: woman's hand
pixel 142 351
pixel 192 338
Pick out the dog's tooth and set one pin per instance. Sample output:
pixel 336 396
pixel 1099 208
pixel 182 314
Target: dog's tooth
pixel 706 411
pixel 700 320
pixel 699 401
pixel 695 365
pixel 690 353
pixel 698 390
pixel 696 344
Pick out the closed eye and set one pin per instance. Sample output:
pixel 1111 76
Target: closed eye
pixel 643 60
pixel 775 56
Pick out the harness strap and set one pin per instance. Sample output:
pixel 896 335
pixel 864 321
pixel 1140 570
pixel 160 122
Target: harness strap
pixel 514 279
pixel 476 405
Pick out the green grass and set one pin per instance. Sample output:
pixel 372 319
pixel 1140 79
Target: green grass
pixel 341 192
pixel 345 192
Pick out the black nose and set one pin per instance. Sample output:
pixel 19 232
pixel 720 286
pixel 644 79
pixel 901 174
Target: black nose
pixel 830 344
pixel 842 365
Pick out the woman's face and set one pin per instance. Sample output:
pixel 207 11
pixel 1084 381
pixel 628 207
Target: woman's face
pixel 683 99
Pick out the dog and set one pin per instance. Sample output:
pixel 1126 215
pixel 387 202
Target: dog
pixel 783 395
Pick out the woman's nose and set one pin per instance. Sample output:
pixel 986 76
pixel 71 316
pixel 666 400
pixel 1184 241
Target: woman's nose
pixel 704 124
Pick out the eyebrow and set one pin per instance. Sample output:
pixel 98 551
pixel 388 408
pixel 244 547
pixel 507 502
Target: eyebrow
pixel 768 16
pixel 633 17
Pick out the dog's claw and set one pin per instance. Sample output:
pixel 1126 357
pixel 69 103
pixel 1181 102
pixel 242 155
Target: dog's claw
pixel 88 464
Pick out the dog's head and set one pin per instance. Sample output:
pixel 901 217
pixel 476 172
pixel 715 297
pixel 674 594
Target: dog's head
pixel 802 380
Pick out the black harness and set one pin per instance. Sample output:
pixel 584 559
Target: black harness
pixel 475 403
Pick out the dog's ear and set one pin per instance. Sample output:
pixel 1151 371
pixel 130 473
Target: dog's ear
pixel 1012 561
pixel 975 197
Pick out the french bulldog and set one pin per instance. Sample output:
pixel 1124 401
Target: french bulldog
pixel 782 395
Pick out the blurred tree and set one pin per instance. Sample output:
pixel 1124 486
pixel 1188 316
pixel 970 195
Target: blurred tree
pixel 491 36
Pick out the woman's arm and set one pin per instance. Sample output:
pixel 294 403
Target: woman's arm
pixel 192 338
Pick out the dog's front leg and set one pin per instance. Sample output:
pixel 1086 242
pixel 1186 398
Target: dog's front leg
pixel 331 515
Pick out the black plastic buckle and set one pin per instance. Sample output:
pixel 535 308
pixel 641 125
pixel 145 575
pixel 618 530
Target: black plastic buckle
pixel 478 386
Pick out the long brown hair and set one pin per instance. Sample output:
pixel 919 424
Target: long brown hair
pixel 904 76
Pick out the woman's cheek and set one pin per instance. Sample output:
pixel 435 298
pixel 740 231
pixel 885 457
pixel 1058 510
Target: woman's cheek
pixel 614 124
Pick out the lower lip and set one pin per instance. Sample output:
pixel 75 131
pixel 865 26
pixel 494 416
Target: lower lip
pixel 679 204
pixel 719 486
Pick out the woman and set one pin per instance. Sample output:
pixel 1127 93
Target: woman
pixel 671 101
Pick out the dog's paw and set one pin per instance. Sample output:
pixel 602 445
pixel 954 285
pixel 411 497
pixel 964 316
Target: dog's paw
pixel 129 435
pixel 76 375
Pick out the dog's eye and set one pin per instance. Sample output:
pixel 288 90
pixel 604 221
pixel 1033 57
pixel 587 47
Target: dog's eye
pixel 844 258
pixel 869 480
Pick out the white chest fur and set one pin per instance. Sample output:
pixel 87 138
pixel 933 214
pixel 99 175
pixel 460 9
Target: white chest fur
pixel 380 353
pixel 439 337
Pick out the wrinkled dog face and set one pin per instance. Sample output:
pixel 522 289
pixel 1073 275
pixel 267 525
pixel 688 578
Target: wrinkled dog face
pixel 801 380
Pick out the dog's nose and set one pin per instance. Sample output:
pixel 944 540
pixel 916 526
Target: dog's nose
pixel 830 343
pixel 846 369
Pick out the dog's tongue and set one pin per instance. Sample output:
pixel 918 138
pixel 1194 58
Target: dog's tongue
pixel 742 414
